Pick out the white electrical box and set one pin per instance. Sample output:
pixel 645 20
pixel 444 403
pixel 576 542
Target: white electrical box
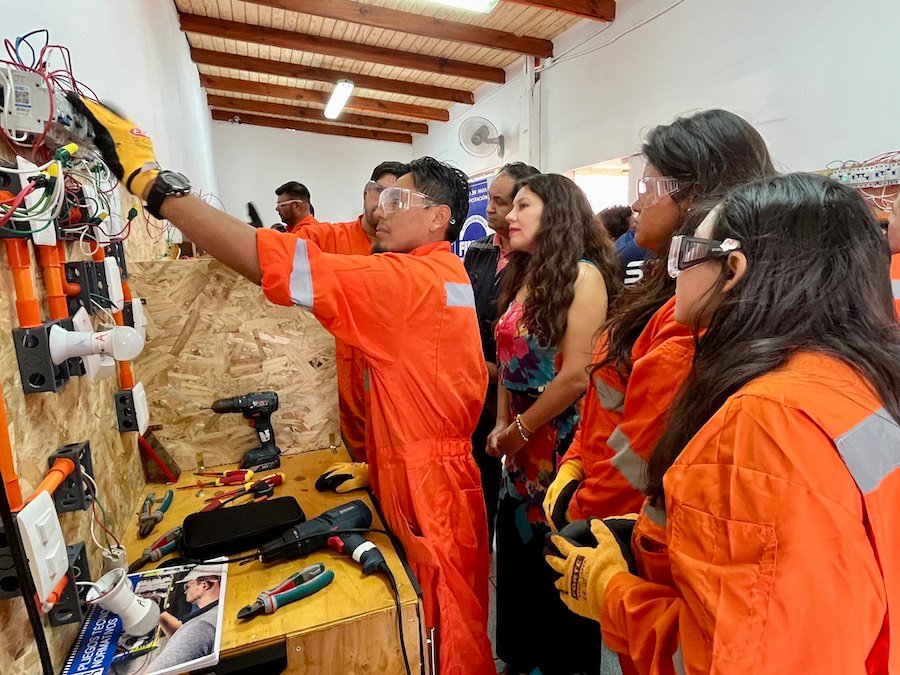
pixel 140 318
pixel 141 408
pixel 25 109
pixel 44 545
pixel 41 233
pixel 114 283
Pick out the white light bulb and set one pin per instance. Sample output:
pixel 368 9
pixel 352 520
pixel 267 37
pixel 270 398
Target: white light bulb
pixel 339 97
pixel 122 343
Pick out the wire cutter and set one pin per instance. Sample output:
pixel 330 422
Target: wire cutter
pixel 300 585
pixel 161 547
pixel 149 517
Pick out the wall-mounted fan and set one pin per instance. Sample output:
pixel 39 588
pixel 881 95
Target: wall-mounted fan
pixel 480 138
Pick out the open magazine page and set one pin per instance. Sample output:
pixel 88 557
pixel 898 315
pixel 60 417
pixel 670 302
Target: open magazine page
pixel 188 636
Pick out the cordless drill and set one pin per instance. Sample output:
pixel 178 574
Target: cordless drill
pixel 258 408
pixel 328 529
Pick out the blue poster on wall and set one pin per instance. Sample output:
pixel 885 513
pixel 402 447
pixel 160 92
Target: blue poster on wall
pixel 476 225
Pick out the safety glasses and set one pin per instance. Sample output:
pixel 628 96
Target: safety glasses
pixel 394 200
pixel 686 252
pixel 372 186
pixel 279 205
pixel 650 189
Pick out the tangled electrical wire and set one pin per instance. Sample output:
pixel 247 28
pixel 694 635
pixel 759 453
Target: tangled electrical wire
pixel 881 196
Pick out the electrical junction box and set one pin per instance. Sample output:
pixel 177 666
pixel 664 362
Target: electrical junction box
pixel 44 545
pixel 41 233
pixel 114 284
pixel 24 106
pixel 132 409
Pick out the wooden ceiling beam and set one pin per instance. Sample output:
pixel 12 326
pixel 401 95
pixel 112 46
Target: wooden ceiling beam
pixel 317 114
pixel 598 10
pixel 415 24
pixel 316 44
pixel 297 125
pixel 321 98
pixel 300 72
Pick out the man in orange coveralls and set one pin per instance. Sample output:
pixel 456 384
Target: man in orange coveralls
pixel 412 312
pixel 355 237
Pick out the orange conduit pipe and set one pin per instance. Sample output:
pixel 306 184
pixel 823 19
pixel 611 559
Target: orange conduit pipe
pixel 126 373
pixel 69 287
pixel 7 465
pixel 27 307
pixel 53 280
pixel 62 468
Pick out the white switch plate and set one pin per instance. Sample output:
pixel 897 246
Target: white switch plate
pixel 141 407
pixel 47 235
pixel 114 283
pixel 44 544
pixel 140 318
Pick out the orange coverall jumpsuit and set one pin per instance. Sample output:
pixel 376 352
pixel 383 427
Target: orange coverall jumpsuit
pixel 621 422
pixel 895 281
pixel 310 219
pixel 778 550
pixel 347 239
pixel 413 316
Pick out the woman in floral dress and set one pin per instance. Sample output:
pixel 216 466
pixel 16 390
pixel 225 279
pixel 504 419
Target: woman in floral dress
pixel 559 282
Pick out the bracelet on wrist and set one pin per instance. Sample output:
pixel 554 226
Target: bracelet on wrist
pixel 523 432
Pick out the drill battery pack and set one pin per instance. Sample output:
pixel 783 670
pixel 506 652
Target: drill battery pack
pixel 238 528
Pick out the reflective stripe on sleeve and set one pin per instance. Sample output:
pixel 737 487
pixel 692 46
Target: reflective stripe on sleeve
pixel 626 460
pixel 871 450
pixel 459 295
pixel 301 285
pixel 610 398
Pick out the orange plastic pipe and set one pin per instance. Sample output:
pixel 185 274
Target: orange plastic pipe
pixel 27 306
pixel 69 287
pixel 62 468
pixel 55 595
pixel 53 280
pixel 7 465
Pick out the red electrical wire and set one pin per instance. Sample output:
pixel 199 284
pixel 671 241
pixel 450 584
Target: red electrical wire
pixel 17 202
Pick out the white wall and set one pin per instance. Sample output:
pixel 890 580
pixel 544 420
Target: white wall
pixel 252 161
pixel 817 77
pixel 132 53
pixel 506 106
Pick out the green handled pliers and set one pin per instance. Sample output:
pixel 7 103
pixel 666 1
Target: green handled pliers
pixel 300 585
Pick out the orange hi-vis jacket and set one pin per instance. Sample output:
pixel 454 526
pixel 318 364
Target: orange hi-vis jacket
pixel 346 239
pixel 310 219
pixel 413 316
pixel 621 422
pixel 780 550
pixel 895 281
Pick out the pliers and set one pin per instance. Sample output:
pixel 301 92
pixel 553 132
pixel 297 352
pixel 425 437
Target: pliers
pixel 300 585
pixel 161 547
pixel 148 517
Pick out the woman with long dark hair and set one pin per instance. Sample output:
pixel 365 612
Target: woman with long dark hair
pixel 644 354
pixel 779 471
pixel 557 285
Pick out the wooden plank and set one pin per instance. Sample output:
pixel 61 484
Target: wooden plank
pixel 321 98
pixel 315 44
pixel 415 24
pixel 351 597
pixel 282 110
pixel 299 125
pixel 598 10
pixel 301 72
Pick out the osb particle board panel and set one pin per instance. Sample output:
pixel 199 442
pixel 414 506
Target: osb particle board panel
pixel 212 334
pixel 40 423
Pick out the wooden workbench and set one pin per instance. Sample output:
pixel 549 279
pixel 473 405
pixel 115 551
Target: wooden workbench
pixel 348 627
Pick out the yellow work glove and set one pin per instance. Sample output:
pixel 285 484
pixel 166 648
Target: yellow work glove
pixel 556 502
pixel 585 571
pixel 344 477
pixel 126 149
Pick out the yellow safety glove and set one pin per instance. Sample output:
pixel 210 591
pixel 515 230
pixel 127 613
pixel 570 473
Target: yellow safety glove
pixel 126 149
pixel 586 568
pixel 556 502
pixel 344 477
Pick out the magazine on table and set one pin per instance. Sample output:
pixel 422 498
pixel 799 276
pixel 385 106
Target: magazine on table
pixel 188 636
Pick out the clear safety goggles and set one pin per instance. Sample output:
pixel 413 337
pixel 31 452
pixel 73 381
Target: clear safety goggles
pixel 686 252
pixel 650 189
pixel 372 186
pixel 394 200
pixel 278 205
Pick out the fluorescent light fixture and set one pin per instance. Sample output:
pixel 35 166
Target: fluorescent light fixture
pixel 471 5
pixel 339 96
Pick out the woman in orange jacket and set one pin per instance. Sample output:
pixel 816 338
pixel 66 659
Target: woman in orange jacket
pixel 555 288
pixel 778 476
pixel 645 354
